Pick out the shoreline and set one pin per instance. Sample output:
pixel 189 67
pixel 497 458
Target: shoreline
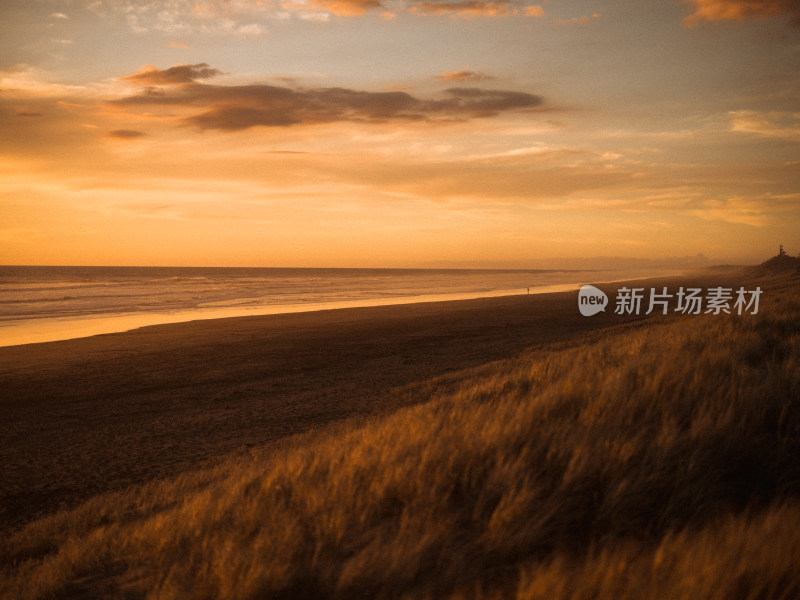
pixel 55 329
pixel 61 328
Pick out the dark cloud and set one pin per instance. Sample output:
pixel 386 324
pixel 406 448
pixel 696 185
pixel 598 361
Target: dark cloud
pixel 478 102
pixel 232 108
pixel 176 75
pixel 25 113
pixel 125 134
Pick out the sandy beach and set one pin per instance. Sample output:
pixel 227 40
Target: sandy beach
pixel 91 415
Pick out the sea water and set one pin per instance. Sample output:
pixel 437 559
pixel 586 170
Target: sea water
pixel 40 303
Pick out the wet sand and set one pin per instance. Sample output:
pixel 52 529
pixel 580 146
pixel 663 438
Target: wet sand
pixel 86 416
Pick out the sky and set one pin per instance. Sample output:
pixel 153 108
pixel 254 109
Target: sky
pixel 397 133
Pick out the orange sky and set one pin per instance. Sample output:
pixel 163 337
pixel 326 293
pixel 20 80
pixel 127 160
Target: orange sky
pixel 403 133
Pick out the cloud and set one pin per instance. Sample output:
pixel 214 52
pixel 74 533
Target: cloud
pixel 466 8
pixel 125 134
pixel 234 108
pixel 58 15
pixel 271 106
pixel 545 175
pixel 775 124
pixel 251 29
pixel 740 10
pixel 244 17
pixel 486 103
pixel 344 8
pixel 150 75
pixel 579 20
pixel 40 126
pixel 742 211
pixel 463 76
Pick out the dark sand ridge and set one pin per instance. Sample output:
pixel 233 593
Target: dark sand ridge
pixel 86 416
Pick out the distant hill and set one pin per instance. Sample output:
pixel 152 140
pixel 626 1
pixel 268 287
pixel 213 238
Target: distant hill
pixel 777 265
pixel 596 263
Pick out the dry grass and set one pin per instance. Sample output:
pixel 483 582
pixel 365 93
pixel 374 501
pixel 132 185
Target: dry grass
pixel 659 463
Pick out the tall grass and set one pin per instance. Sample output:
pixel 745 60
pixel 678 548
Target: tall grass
pixel 661 462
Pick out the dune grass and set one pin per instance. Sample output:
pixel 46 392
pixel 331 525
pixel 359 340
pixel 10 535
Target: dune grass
pixel 659 462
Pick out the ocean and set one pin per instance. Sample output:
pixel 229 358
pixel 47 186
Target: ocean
pixel 40 303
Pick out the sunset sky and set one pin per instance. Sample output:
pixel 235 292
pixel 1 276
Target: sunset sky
pixel 368 133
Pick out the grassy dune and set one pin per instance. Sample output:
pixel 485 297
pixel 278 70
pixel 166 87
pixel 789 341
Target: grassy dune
pixel 659 462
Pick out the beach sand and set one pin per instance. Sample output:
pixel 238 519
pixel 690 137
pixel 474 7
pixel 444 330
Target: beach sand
pixel 86 416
